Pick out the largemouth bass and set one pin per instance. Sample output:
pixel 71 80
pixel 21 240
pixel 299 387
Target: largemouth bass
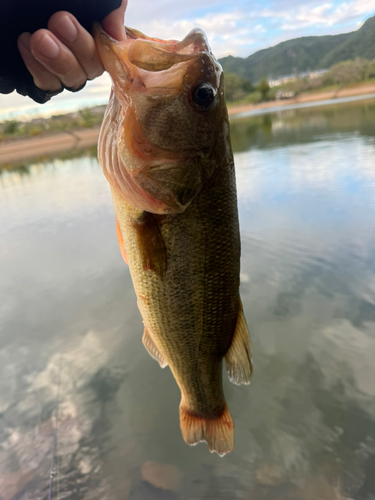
pixel 165 150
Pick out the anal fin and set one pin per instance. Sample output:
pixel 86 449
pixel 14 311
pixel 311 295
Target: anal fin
pixel 238 359
pixel 152 349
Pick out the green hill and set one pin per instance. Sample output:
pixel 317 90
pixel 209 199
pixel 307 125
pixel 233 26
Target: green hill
pixel 303 54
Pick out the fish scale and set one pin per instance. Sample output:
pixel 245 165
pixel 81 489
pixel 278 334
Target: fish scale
pixel 173 186
pixel 199 300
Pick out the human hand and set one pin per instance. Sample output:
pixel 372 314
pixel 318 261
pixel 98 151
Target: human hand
pixel 65 55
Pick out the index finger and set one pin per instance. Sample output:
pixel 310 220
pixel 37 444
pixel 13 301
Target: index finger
pixel 113 24
pixel 68 30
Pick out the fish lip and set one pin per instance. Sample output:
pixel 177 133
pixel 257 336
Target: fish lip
pixel 133 86
pixel 114 57
pixel 98 32
pixel 162 55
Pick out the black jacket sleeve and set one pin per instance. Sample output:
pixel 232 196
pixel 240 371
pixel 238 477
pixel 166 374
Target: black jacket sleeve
pixel 17 16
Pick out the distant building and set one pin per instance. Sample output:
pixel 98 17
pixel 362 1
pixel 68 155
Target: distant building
pixel 283 94
pixel 274 82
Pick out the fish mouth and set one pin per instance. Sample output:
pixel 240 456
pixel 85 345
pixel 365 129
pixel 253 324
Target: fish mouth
pixel 150 63
pixel 154 94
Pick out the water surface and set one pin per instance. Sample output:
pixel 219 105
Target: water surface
pixel 76 382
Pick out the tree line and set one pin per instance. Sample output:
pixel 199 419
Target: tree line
pixel 340 74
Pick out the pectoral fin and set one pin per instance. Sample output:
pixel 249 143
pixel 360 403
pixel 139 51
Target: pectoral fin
pixel 150 244
pixel 121 243
pixel 238 357
pixel 152 349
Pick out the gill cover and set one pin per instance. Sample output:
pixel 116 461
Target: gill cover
pixel 164 117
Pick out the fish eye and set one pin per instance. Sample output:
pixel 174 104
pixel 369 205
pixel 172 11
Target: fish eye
pixel 204 96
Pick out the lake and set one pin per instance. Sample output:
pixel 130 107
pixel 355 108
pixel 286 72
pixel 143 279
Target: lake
pixel 85 413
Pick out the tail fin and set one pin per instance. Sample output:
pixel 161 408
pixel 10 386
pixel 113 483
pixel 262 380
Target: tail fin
pixel 217 432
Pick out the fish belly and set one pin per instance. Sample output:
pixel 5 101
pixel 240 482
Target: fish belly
pixel 190 305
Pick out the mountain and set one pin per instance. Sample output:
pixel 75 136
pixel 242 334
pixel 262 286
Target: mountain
pixel 303 54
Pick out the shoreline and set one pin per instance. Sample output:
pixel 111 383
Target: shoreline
pixel 32 148
pixel 356 90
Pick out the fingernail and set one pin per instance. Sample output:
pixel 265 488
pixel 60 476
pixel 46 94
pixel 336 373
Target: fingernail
pixel 48 47
pixel 66 29
pixel 25 41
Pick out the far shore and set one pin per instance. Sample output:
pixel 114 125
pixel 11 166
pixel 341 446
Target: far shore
pixel 49 145
pixel 355 90
pixel 45 146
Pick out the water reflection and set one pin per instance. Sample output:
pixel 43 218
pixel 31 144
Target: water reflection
pixel 71 359
pixel 304 126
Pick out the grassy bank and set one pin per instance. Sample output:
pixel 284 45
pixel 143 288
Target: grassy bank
pixel 301 90
pixel 88 118
pixel 75 132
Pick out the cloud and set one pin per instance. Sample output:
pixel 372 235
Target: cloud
pixel 140 13
pixel 16 106
pixel 327 14
pixel 239 28
pixel 225 31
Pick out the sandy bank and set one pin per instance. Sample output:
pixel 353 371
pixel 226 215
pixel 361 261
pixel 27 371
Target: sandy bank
pixel 43 146
pixel 49 145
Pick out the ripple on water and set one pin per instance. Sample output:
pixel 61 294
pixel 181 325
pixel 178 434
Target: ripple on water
pixel 304 428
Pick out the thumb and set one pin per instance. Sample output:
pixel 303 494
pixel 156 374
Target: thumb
pixel 113 24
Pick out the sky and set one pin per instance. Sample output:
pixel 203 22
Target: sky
pixel 236 27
